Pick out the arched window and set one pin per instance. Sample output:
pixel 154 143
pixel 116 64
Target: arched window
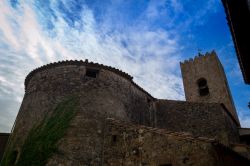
pixel 203 88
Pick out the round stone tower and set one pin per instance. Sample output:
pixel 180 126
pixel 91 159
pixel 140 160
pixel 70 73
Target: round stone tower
pixel 71 100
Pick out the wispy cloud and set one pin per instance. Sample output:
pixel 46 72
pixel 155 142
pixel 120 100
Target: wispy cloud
pixel 151 56
pixel 145 39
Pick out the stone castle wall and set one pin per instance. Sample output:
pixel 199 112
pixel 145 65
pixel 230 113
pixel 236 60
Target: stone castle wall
pixel 141 145
pixel 112 94
pixel 129 144
pixel 200 119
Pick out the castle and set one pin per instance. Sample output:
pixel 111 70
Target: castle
pixel 83 113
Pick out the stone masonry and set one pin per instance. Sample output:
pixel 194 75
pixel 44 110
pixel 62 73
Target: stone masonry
pixel 210 68
pixel 119 123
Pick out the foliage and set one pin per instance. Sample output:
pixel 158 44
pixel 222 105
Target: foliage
pixel 41 141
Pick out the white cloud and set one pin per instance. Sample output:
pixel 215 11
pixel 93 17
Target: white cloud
pixel 150 56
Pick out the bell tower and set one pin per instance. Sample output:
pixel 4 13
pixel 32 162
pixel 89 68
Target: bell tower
pixel 204 80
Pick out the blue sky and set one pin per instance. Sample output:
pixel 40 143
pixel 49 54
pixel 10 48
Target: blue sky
pixel 147 39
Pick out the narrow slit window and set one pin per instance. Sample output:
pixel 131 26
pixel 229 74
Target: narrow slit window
pixel 92 73
pixel 114 139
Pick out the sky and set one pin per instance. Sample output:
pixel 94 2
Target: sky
pixel 145 38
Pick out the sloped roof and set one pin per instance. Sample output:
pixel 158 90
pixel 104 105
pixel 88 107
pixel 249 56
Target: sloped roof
pixel 238 17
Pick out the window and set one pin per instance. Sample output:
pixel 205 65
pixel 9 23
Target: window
pixel 149 100
pixel 203 88
pixel 114 138
pixel 92 73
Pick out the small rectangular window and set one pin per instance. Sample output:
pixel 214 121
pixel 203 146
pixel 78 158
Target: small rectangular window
pixel 114 138
pixel 92 73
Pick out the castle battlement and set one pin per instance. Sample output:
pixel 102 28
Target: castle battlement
pixel 200 57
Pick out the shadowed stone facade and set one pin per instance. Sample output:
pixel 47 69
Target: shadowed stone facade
pixel 141 145
pixel 201 119
pixel 119 123
pixel 3 141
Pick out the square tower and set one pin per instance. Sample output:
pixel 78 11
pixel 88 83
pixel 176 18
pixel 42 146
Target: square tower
pixel 204 80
